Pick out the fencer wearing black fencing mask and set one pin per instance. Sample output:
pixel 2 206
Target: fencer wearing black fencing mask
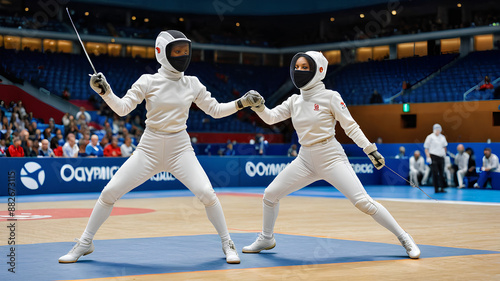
pixel 173 50
pixel 306 69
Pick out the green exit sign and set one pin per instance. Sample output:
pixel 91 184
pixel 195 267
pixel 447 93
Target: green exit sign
pixel 406 107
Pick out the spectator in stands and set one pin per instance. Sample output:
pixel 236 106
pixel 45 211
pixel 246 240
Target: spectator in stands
pixel 461 165
pixel 59 136
pixel 66 94
pixel 94 149
pixel 37 136
pixel 401 154
pixel 229 150
pixel 17 123
pixel 490 165
pixel 15 150
pixel 260 144
pixel 28 149
pixel 417 168
pixel 47 134
pixel 70 148
pixel 86 116
pixel 292 151
pixel 435 149
pixel 486 84
pixel 72 129
pixel 52 125
pixel 82 150
pixel 379 140
pixel 45 150
pixel 112 149
pixel 56 148
pixel 66 119
pixel 127 148
pixel 21 110
pixel 104 141
pixel 3 147
pixel 32 128
pixel 376 97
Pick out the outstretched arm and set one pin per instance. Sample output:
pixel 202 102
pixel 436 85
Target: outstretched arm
pixel 212 107
pixel 121 106
pixel 275 115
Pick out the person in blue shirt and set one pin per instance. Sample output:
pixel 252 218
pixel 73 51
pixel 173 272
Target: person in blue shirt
pixel 94 149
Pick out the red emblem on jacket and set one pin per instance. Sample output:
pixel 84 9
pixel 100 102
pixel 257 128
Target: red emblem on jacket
pixel 316 107
pixel 342 104
pixel 158 49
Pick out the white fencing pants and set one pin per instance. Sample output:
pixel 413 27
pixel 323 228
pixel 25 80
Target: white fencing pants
pixel 158 152
pixel 325 161
pixel 460 177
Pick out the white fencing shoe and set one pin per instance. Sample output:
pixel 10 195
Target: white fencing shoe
pixel 78 250
pixel 230 251
pixel 262 243
pixel 411 248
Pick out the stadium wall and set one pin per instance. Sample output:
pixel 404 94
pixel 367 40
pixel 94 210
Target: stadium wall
pixel 472 121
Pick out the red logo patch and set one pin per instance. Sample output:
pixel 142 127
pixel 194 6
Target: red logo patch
pixel 316 107
pixel 342 104
pixel 158 49
pixel 321 70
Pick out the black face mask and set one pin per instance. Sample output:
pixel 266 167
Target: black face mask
pixel 180 63
pixel 300 78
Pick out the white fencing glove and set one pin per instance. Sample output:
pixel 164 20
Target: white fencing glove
pixel 251 98
pixel 260 107
pixel 377 159
pixel 429 160
pixel 99 84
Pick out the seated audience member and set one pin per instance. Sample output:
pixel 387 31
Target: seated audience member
pixel 229 150
pixel 376 98
pixel 3 147
pixel 401 154
pixel 29 151
pixel 112 149
pixel 417 168
pixel 45 150
pixel 487 84
pixel 127 147
pixel 490 165
pixel 292 151
pixel 86 116
pixel 94 149
pixel 70 148
pixel 82 150
pixel 15 149
pixel 471 167
pixel 462 163
pixel 56 148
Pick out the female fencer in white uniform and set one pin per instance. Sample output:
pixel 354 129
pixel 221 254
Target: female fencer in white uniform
pixel 165 144
pixel 314 114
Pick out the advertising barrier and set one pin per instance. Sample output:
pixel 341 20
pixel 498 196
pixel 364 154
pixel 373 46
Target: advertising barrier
pixel 75 175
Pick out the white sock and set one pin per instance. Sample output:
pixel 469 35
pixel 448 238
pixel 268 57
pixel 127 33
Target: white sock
pixel 99 215
pixel 385 219
pixel 216 217
pixel 270 214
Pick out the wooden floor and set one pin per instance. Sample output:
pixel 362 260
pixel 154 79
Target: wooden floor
pixel 430 223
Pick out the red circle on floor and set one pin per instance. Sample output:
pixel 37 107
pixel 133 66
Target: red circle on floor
pixel 39 214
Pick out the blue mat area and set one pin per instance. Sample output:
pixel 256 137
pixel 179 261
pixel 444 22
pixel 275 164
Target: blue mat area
pixel 140 256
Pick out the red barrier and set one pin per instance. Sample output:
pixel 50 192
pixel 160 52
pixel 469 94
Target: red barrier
pixel 40 109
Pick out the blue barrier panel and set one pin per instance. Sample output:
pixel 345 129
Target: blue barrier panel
pixel 75 175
